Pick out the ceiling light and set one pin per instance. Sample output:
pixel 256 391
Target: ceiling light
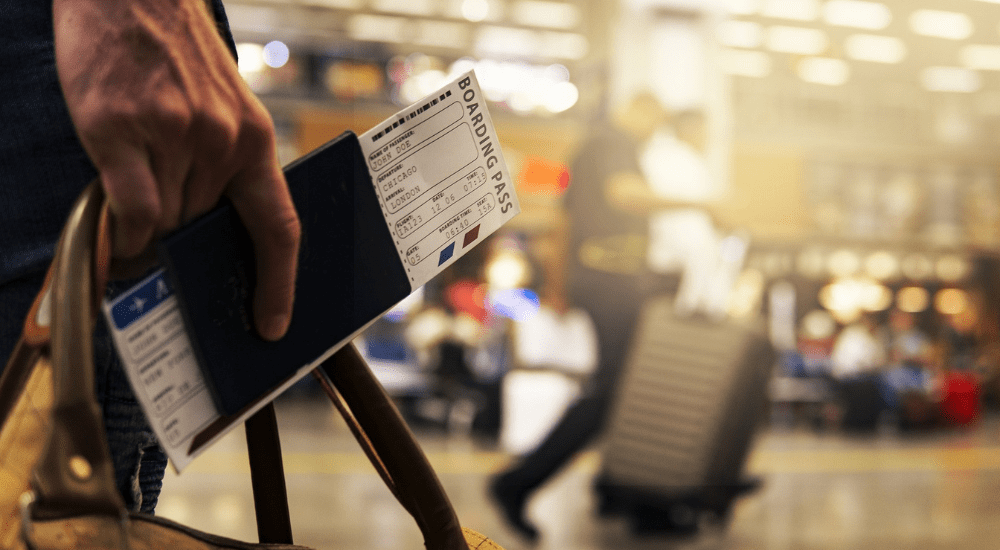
pixel 858 14
pixel 798 10
pixel 796 40
pixel 740 34
pixel 912 299
pixel 882 265
pixel 560 97
pixel 981 57
pixel 275 54
pixel 870 47
pixel 746 63
pixel 950 79
pixel 951 301
pixel 824 70
pixel 941 24
pixel 251 57
pixel 475 10
pixel 559 15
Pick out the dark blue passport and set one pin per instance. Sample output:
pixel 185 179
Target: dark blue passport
pixel 349 274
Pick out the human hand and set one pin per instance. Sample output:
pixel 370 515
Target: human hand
pixel 170 125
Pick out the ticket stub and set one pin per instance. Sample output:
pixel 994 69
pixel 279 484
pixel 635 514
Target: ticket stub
pixel 148 332
pixel 436 171
pixel 440 178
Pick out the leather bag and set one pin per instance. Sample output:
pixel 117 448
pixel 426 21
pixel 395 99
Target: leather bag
pixel 57 487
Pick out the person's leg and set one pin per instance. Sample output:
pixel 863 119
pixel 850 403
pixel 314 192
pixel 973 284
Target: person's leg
pixel 579 426
pixel 512 488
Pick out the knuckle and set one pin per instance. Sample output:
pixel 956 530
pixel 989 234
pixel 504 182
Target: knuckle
pixel 217 129
pixel 172 120
pixel 257 130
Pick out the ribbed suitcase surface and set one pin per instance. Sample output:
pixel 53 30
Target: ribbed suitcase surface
pixel 692 393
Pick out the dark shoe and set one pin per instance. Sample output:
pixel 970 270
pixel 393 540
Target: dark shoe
pixel 511 502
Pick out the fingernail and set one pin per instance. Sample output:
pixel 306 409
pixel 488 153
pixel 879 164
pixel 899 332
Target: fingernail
pixel 276 327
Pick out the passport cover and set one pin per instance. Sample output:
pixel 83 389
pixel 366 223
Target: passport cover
pixel 349 274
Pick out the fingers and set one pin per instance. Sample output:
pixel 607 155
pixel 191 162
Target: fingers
pixel 261 198
pixel 134 199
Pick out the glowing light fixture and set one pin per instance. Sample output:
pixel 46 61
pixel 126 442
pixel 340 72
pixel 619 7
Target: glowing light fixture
pixel 251 58
pixel 537 13
pixel 950 79
pixel 912 299
pixel 857 14
pixel 980 57
pixel 817 325
pixel 740 34
pixel 951 301
pixel 798 40
pixel 941 24
pixel 824 70
pixel 870 47
pixel 275 54
pixel 798 10
pixel 508 270
pixel 475 10
pixel 560 97
pixel 846 298
pixel 746 63
pixel 882 265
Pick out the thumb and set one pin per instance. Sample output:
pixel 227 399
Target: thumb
pixel 264 204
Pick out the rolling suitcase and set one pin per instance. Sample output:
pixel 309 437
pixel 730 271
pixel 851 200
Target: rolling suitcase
pixel 692 394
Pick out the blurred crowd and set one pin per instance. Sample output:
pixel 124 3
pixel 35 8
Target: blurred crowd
pixel 912 370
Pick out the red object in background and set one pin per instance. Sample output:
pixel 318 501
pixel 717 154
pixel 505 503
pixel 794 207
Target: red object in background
pixel 468 296
pixel 540 175
pixel 960 403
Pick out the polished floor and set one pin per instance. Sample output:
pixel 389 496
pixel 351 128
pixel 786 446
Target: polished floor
pixel 821 491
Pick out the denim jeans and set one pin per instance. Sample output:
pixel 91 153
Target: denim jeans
pixel 43 168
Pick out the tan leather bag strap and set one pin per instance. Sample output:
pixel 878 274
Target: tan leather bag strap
pixel 391 447
pixel 75 474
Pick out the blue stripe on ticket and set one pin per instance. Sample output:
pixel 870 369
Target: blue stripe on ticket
pixel 447 253
pixel 138 300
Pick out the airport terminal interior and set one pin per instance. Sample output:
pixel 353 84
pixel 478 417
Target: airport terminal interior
pixel 814 284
